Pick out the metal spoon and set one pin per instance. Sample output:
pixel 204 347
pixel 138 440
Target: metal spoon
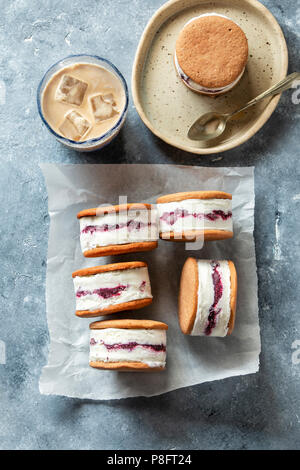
pixel 211 125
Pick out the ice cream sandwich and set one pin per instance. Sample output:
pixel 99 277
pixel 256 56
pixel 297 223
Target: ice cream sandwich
pixel 113 230
pixel 211 54
pixel 191 215
pixel 207 297
pixel 111 288
pixel 128 345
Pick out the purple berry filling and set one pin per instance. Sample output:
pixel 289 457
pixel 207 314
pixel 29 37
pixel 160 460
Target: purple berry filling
pixel 130 346
pixel 191 83
pixel 171 217
pixel 131 225
pixel 218 292
pixel 142 286
pixel 104 292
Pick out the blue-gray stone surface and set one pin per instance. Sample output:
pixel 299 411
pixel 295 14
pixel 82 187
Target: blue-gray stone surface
pixel 260 411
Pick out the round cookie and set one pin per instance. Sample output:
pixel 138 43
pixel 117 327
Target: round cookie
pixel 102 290
pixel 188 216
pixel 188 298
pixel 129 324
pixel 128 345
pixel 211 54
pixel 207 297
pixel 120 229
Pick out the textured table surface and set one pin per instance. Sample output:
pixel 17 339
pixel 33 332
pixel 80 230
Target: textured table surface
pixel 255 411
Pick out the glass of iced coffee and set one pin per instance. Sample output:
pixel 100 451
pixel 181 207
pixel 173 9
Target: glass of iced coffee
pixel 83 101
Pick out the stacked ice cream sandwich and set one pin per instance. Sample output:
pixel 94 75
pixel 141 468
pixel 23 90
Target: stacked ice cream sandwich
pixel 208 288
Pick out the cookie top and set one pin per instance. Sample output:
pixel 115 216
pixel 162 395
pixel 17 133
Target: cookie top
pixel 109 209
pixel 193 195
pixel 233 296
pixel 129 324
pixel 212 51
pixel 109 267
pixel 188 295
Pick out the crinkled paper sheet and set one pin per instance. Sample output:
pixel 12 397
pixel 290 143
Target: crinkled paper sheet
pixel 190 360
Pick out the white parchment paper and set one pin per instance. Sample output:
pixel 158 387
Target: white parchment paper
pixel 190 360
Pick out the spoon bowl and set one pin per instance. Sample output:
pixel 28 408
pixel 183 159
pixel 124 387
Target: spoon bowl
pixel 208 126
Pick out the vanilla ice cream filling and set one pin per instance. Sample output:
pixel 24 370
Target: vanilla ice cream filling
pixel 191 83
pixel 195 214
pixel 102 290
pixel 130 345
pixel 213 307
pixel 118 228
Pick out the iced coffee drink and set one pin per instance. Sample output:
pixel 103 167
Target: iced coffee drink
pixel 84 103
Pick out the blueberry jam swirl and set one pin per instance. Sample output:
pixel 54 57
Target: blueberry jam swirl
pixel 104 292
pixel 131 226
pixel 218 291
pixel 129 346
pixel 171 217
pixel 192 84
pixel 142 286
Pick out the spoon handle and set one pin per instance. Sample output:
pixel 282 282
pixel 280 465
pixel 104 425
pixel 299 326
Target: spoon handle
pixel 281 86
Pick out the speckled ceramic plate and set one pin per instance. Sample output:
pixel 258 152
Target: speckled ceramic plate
pixel 168 107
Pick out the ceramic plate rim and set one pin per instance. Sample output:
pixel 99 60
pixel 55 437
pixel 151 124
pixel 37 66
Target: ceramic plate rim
pixel 222 147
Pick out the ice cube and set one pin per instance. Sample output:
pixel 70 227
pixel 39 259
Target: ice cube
pixel 109 98
pixel 103 106
pixel 71 90
pixel 74 126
